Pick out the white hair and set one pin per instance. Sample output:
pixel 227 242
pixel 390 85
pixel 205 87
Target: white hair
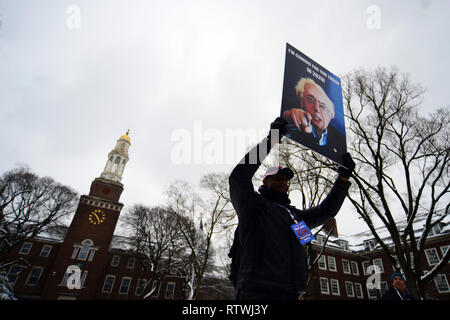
pixel 300 87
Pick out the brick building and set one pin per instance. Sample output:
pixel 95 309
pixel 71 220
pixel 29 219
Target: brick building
pixel 89 249
pixel 342 271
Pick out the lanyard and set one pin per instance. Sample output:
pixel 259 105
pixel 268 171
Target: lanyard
pixel 289 211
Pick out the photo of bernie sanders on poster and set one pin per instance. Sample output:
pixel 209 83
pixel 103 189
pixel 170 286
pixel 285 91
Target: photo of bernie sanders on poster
pixel 312 106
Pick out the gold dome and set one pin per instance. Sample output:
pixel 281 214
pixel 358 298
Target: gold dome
pixel 125 136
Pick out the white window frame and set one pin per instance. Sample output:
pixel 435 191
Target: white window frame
pixel 86 246
pixel 83 278
pixel 46 246
pixel 173 291
pixel 114 258
pixel 370 296
pixel 336 282
pixel 322 260
pixel 444 278
pixel 109 276
pixel 444 251
pixel 91 254
pixel 173 271
pixel 26 248
pixel 320 238
pixel 16 274
pixel 322 280
pixel 122 285
pixel 427 252
pixel 354 264
pixel 76 249
pixel 360 295
pixel 157 290
pixel 349 293
pixel 365 266
pixel 131 263
pixel 331 261
pixel 140 285
pixel 380 265
pixel 349 270
pixel 41 269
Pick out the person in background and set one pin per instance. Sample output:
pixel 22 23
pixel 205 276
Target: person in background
pixel 398 290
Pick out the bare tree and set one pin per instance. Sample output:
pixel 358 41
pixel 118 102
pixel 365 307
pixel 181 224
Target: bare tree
pixel 30 205
pixel 203 221
pixel 157 240
pixel 402 160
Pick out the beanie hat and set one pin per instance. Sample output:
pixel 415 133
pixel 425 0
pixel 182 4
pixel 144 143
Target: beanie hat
pixel 398 274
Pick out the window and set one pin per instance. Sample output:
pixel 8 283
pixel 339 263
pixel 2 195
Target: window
pixel 13 274
pixel 343 244
pixel 324 287
pixel 369 244
pixel 173 271
pixel 115 261
pixel 320 239
pixel 383 287
pixel 322 263
pixel 346 266
pixel 355 269
pixel 109 283
pixel 444 251
pixel 372 293
pixel 75 252
pixel 436 229
pixel 34 276
pixel 85 247
pixel 334 287
pixel 441 283
pixel 366 265
pixel 155 289
pixel 45 252
pixel 140 286
pixel 432 256
pixel 125 286
pixel 358 290
pixel 379 264
pixel 131 263
pixel 83 278
pixel 332 264
pixel 91 255
pixel 170 290
pixel 349 289
pixel 26 248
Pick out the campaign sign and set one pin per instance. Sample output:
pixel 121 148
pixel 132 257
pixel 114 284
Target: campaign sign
pixel 312 106
pixel 302 232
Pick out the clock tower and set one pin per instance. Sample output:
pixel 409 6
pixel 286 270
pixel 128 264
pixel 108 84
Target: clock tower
pixel 87 241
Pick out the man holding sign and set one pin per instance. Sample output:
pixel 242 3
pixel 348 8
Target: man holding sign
pixel 268 259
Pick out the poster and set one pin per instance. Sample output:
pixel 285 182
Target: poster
pixel 312 105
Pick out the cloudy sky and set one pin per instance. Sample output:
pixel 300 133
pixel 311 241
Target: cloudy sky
pixel 75 75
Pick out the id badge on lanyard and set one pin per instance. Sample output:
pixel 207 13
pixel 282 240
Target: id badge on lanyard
pixel 301 230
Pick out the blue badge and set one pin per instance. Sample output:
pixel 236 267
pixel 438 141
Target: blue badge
pixel 302 232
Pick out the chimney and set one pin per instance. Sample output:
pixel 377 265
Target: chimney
pixel 331 224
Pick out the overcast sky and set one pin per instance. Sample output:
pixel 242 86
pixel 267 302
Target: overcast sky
pixel 75 75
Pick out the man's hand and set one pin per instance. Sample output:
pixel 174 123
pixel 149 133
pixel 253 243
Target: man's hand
pixel 300 118
pixel 349 165
pixel 278 124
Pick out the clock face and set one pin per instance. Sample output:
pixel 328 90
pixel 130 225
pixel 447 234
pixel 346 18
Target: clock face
pixel 97 216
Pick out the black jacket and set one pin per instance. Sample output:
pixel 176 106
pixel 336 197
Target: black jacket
pixel 271 257
pixel 394 294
